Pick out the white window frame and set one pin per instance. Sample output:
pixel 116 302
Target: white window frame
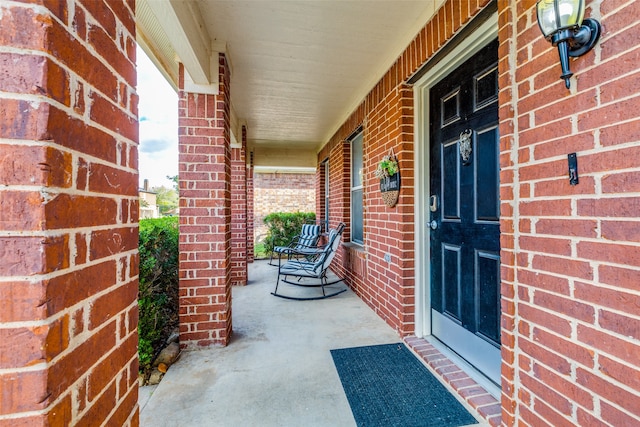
pixel 359 188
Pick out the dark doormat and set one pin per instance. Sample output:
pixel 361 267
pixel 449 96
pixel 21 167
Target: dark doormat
pixel 386 385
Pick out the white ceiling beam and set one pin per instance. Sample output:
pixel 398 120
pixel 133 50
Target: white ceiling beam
pixel 182 22
pixel 284 158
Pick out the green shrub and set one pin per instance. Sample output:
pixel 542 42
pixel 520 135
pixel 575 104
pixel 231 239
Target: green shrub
pixel 158 291
pixel 284 226
pixel 259 251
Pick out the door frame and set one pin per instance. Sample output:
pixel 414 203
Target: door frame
pixel 480 37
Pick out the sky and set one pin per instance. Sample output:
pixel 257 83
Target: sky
pixel 158 112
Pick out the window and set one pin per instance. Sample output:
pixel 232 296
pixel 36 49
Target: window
pixel 357 205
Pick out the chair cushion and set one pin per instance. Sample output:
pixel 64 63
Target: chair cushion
pixel 310 230
pixel 309 235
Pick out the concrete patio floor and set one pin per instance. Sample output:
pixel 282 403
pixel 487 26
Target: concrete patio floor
pixel 277 370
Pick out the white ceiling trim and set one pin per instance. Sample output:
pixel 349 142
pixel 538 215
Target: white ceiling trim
pixel 189 37
pixel 154 41
pixel 211 88
pixel 288 170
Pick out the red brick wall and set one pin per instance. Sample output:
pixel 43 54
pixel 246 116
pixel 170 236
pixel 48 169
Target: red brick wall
pixel 250 205
pixel 205 215
pixel 69 235
pixel 386 117
pixel 390 230
pixel 320 180
pixel 571 254
pixel 386 287
pixel 239 212
pixel 280 192
pixel 339 158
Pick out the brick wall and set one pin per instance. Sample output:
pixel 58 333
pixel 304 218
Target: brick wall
pixel 250 206
pixel 205 215
pixel 239 212
pixel 386 117
pixel 571 254
pixel 388 287
pixel 320 181
pixel 338 156
pixel 280 192
pixel 69 199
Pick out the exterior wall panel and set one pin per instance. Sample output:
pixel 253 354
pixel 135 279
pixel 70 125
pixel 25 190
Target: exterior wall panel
pixel 559 241
pixel 69 222
pixel 569 261
pixel 205 214
pixel 386 118
pixel 239 230
pixel 280 192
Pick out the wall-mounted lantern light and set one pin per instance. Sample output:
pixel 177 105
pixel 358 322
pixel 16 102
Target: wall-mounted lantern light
pixel 562 23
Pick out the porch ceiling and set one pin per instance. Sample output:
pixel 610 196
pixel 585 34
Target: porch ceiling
pixel 299 67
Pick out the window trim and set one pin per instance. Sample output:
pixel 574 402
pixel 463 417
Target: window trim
pixel 360 188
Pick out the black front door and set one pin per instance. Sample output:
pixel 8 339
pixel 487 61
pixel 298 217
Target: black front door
pixel 465 207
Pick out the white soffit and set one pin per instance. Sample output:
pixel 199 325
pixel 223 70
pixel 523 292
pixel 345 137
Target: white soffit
pixel 300 67
pixel 184 24
pixel 155 42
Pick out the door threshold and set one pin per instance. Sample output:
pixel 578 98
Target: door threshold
pixel 473 389
pixel 491 387
pixel 476 351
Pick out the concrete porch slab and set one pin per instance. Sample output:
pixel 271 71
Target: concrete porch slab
pixel 277 370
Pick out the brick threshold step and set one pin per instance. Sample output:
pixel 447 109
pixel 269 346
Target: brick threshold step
pixel 470 391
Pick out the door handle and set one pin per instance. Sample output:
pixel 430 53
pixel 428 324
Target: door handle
pixel 433 224
pixel 433 203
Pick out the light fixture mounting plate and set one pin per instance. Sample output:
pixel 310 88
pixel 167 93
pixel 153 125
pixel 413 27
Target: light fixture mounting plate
pixel 578 48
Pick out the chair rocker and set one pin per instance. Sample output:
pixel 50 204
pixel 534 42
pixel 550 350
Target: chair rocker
pixel 306 241
pixel 313 267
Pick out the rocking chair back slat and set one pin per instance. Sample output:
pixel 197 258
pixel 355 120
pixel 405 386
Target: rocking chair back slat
pixel 316 268
pixel 309 235
pixel 305 241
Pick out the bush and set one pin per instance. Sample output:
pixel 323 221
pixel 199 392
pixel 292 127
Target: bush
pixel 259 251
pixel 158 291
pixel 284 226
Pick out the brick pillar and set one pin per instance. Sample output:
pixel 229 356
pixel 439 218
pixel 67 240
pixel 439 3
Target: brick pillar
pixel 319 187
pixel 250 208
pixel 69 212
pixel 205 214
pixel 239 212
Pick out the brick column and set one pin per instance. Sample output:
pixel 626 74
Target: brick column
pixel 205 214
pixel 250 208
pixel 69 212
pixel 319 187
pixel 239 212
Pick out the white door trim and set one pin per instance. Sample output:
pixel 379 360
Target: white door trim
pixel 485 33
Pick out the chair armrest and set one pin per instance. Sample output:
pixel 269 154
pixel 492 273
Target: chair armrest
pixel 310 250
